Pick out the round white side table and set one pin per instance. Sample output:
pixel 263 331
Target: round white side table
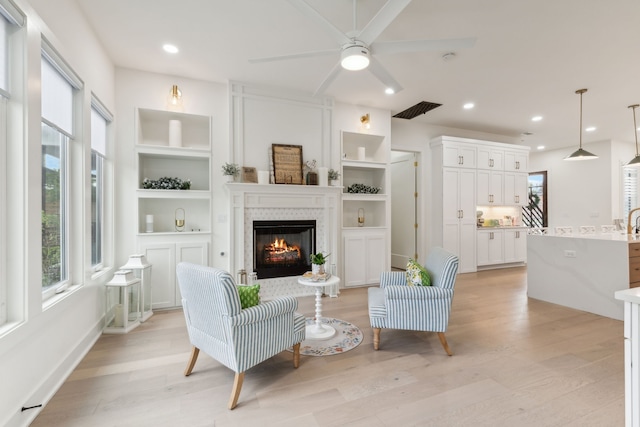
pixel 318 331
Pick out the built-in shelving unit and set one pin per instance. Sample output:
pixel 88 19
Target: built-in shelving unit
pixel 365 246
pixel 187 158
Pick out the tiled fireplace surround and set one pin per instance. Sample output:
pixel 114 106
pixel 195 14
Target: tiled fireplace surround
pixel 255 202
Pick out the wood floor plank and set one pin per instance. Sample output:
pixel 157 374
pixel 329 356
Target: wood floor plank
pixel 516 361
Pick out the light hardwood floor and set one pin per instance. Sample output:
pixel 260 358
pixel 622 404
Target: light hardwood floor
pixel 516 362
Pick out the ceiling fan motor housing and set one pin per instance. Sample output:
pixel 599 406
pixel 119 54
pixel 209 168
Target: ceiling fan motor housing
pixel 355 56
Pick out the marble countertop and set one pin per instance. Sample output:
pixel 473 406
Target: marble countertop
pixel 616 236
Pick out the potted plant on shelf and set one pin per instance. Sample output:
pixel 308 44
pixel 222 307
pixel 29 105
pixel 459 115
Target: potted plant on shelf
pixel 317 262
pixel 333 176
pixel 230 170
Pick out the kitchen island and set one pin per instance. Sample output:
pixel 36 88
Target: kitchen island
pixel 581 271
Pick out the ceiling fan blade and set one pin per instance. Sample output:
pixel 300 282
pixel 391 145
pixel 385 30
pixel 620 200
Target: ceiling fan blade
pixel 295 56
pixel 402 46
pixel 313 14
pixel 383 18
pixel 328 80
pixel 383 75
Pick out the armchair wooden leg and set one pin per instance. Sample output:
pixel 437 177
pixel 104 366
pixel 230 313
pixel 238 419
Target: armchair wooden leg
pixel 192 360
pixel 376 338
pixel 235 392
pixel 443 341
pixel 296 355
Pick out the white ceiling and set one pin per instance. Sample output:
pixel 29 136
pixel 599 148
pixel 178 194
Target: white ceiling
pixel 529 58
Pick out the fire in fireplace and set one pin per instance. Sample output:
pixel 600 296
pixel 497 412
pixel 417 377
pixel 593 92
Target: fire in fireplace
pixel 282 248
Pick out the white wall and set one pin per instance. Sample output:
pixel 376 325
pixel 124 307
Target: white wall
pixel 583 192
pixel 45 344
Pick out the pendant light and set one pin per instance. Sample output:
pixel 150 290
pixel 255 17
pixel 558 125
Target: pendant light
pixel 581 154
pixel 636 160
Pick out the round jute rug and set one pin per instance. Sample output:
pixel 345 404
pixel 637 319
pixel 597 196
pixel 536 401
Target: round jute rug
pixel 348 336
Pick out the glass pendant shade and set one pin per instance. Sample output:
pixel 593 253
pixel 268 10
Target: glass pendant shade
pixel 635 162
pixel 580 153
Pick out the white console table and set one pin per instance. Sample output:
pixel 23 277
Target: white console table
pixel 631 298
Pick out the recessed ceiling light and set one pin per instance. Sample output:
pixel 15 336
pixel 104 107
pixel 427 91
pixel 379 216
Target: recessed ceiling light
pixel 169 48
pixel 468 105
pixel 389 91
pixel 540 147
pixel 536 118
pixel 590 129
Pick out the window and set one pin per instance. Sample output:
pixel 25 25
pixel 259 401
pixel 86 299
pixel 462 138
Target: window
pixel 11 19
pixel 100 118
pixel 57 88
pixel 534 214
pixel 629 191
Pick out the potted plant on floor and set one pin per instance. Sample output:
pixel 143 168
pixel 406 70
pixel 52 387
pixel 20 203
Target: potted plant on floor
pixel 317 262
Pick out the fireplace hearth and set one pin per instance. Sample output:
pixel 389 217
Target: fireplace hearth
pixel 282 248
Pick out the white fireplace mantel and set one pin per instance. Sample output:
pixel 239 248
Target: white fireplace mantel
pixel 249 202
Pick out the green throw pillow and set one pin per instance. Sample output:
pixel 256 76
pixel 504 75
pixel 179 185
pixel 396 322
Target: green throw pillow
pixel 417 275
pixel 249 295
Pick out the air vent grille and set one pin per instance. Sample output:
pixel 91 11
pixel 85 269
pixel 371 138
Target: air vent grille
pixel 418 109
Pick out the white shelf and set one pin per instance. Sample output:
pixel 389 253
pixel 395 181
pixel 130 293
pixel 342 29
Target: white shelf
pixel 153 129
pixel 173 194
pixel 364 197
pixel 160 151
pixel 364 164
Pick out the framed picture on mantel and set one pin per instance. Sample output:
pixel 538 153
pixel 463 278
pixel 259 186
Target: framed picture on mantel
pixel 287 163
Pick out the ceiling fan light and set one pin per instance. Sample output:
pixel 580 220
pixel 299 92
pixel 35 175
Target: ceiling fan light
pixel 355 57
pixel 581 154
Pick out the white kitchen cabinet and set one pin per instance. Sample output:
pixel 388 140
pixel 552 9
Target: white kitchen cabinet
pixel 164 257
pixel 516 161
pixel 459 215
pixel 490 188
pixel 365 257
pixel 490 248
pixel 515 188
pixel 515 245
pixel 490 158
pixel 459 155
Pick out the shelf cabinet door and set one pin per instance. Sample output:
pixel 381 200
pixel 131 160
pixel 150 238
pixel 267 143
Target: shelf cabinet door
pixel 490 158
pixel 515 188
pixel 515 245
pixel 459 156
pixel 365 257
pixel 490 247
pixel 516 161
pixel 162 257
pixel 459 216
pixel 490 187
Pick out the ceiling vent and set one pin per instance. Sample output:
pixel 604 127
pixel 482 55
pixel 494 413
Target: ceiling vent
pixel 416 110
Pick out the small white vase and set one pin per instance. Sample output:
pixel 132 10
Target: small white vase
pixel 317 268
pixel 230 178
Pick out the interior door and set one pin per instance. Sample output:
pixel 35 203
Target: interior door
pixel 404 238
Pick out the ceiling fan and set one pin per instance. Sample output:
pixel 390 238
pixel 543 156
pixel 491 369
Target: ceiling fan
pixel 358 48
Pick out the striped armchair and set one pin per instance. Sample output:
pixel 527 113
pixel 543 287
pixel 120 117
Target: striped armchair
pixel 237 338
pixel 395 305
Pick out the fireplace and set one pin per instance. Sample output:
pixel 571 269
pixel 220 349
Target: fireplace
pixel 282 248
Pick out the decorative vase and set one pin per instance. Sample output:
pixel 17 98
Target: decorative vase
pixel 317 268
pixel 230 178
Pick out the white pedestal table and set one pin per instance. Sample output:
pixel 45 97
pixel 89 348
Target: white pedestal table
pixel 318 331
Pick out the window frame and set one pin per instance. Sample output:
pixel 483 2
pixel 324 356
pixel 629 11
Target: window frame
pixel 71 161
pixel 99 151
